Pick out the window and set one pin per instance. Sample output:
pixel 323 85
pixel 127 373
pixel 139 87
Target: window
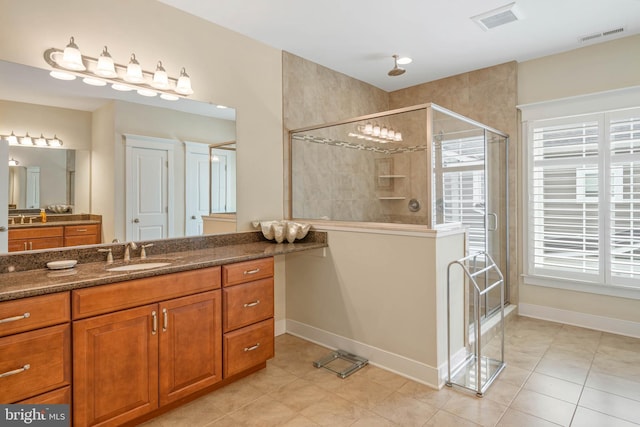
pixel 583 209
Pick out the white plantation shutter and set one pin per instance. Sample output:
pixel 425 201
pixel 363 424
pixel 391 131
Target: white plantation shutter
pixel 584 198
pixel 624 207
pixel 463 187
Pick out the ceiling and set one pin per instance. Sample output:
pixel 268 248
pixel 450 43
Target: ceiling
pixel 359 37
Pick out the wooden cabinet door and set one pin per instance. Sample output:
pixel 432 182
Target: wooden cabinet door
pixel 115 366
pixel 190 344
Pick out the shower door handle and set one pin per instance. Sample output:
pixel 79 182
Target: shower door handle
pixel 495 222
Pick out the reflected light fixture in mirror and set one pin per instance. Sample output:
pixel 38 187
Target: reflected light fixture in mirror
pixel 13 162
pixel 70 63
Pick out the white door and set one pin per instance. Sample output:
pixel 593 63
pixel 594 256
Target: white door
pixel 223 180
pixel 196 187
pixel 4 195
pixel 149 196
pixel 33 187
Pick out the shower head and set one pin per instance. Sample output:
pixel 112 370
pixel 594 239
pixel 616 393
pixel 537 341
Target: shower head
pixel 396 71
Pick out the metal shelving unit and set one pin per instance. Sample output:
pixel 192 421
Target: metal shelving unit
pixel 476 372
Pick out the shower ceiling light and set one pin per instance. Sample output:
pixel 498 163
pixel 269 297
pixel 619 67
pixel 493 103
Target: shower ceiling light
pixel 69 63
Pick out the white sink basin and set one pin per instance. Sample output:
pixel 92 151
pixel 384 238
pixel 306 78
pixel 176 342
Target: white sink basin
pixel 142 266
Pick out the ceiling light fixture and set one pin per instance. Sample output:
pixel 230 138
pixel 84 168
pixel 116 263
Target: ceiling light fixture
pixel 69 63
pixel 27 140
pixel 396 71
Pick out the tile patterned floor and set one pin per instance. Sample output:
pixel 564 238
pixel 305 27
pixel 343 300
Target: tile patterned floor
pixel 556 375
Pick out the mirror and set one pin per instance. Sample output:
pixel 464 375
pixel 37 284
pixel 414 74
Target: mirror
pixel 222 173
pixel 42 177
pixel 31 87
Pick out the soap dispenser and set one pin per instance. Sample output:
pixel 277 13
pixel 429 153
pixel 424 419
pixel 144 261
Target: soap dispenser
pixel 43 215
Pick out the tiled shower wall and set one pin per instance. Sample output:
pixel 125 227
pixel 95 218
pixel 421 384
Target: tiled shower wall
pixel 314 95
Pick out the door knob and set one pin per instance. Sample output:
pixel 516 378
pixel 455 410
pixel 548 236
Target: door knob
pixel 136 220
pixel 193 217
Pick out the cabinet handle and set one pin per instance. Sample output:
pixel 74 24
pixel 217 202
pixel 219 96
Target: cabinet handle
pixel 13 319
pixel 251 271
pixel 30 246
pixel 25 246
pixel 165 319
pixel 15 371
pixel 154 327
pixel 253 347
pixel 81 230
pixel 251 304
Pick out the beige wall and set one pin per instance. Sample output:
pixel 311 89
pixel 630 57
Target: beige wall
pixel 602 67
pixel 597 68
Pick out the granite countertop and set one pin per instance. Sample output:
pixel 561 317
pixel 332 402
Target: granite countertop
pixel 21 284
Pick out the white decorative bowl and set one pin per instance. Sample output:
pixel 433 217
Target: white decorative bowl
pixel 283 230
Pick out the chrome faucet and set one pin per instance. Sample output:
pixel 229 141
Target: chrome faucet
pixel 133 246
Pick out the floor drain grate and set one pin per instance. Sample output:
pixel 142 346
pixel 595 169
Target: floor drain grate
pixel 341 363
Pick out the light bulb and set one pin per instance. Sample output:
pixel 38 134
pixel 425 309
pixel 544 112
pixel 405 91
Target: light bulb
pixel 184 83
pixel 368 128
pixel 12 139
pixel 55 142
pixel 160 78
pixel 105 67
pixel 26 140
pixel 398 136
pixel 391 134
pixel 169 97
pixel 134 71
pixel 41 141
pixel 72 58
pixel 383 132
pixel 376 130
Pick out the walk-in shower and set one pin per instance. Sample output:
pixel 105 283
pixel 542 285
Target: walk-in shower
pixel 421 167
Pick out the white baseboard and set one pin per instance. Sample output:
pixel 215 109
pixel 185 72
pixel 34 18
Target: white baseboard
pixel 408 368
pixel 591 321
pixel 280 327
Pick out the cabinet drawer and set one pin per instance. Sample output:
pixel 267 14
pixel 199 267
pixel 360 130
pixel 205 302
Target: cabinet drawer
pixel 81 230
pixel 81 240
pixel 247 303
pixel 35 312
pixel 243 272
pixel 56 397
pixel 248 347
pixel 35 232
pixel 118 296
pixel 34 363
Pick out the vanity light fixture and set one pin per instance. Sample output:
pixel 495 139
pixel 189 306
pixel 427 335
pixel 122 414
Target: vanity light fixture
pixel 13 162
pixel 69 63
pixel 376 133
pixel 27 140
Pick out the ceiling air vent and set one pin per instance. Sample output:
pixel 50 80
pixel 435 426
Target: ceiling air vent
pixel 607 33
pixel 497 17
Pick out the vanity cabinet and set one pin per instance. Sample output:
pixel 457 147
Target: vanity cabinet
pixel 163 344
pixel 27 239
pixel 55 236
pixel 247 300
pixel 76 235
pixel 35 350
